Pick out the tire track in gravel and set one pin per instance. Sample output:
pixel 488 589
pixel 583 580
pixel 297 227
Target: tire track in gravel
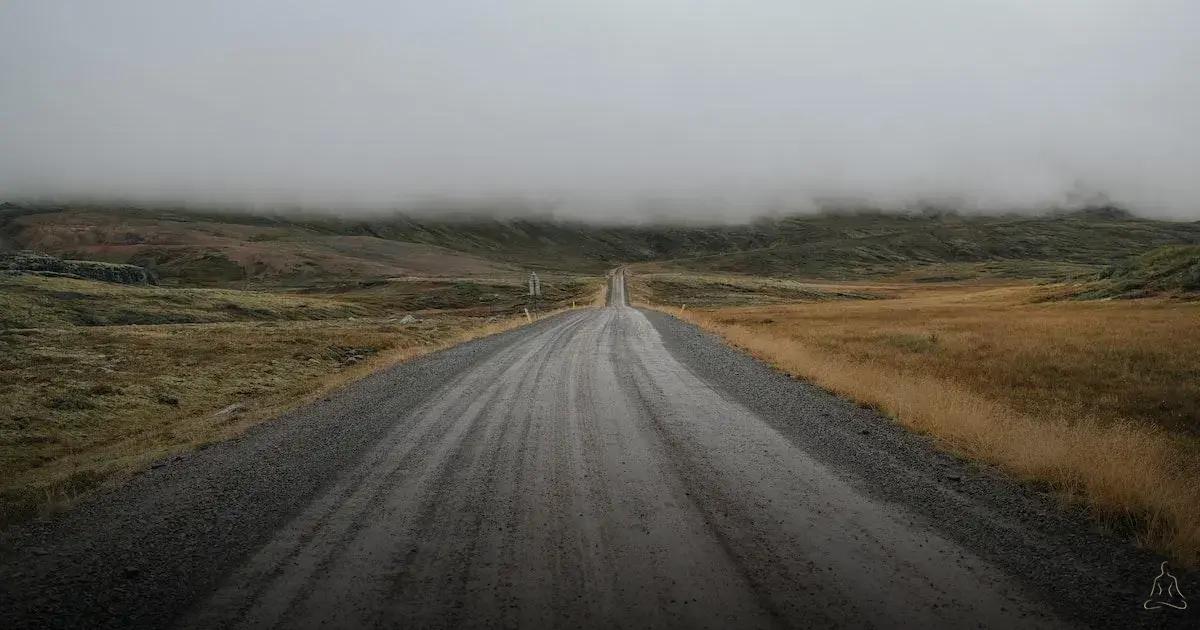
pixel 603 468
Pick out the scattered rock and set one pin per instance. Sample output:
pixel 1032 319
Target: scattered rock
pixel 38 551
pixel 865 432
pixel 28 262
pixel 167 399
pixel 131 572
pixel 407 319
pixel 235 408
pixel 349 355
pixel 953 477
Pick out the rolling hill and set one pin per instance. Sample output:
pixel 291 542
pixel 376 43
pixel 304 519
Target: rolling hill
pixel 237 249
pixel 198 250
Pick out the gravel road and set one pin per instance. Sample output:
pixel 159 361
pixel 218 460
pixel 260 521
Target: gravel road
pixel 603 468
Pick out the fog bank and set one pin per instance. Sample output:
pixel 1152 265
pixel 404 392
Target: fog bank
pixel 697 108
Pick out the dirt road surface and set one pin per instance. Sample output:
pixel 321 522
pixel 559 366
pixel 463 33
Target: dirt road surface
pixel 604 468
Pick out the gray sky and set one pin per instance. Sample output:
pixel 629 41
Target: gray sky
pixel 605 106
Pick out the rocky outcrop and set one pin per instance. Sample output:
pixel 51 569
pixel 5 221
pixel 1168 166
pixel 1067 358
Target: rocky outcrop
pixel 17 262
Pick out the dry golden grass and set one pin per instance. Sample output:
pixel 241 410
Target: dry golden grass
pixel 1100 399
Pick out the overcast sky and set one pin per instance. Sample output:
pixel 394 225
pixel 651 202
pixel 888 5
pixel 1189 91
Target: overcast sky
pixel 605 106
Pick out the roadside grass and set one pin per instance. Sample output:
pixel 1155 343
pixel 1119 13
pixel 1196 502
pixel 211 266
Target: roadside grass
pixel 705 290
pixel 475 296
pixel 1099 399
pixel 83 406
pixel 31 301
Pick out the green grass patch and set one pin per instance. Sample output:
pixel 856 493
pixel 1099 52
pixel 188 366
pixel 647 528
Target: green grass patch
pixel 1171 270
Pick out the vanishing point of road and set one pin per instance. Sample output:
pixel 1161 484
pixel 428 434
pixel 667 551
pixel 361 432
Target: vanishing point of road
pixel 607 468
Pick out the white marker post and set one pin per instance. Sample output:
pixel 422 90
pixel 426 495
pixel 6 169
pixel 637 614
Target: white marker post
pixel 535 291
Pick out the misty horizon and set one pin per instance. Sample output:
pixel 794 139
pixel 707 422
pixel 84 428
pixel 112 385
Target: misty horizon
pixel 662 109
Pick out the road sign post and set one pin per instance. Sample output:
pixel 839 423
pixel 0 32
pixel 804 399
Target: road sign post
pixel 535 290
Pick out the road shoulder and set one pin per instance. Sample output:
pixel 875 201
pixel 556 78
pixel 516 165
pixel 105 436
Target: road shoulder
pixel 1055 552
pixel 152 546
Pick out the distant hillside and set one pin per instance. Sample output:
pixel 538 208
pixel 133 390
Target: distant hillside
pixel 206 250
pixel 826 245
pixel 220 249
pixel 1170 270
pixel 850 246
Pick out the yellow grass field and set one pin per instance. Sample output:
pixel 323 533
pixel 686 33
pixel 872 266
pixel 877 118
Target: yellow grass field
pixel 1099 398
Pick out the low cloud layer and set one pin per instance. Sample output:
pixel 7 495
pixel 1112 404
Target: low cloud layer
pixel 605 108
